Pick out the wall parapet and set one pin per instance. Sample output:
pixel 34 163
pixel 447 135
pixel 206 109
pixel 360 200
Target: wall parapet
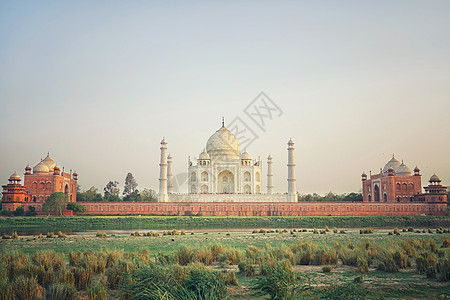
pixel 263 208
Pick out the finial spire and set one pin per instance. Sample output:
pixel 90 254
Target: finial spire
pixel 223 122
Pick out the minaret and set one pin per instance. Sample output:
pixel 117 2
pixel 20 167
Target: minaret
pixel 169 175
pixel 292 192
pixel 163 172
pixel 269 175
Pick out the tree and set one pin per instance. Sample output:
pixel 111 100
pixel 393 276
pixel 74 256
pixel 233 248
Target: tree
pixel 19 211
pixel 130 185
pixel 148 195
pixel 75 207
pixel 112 191
pixel 56 202
pixel 90 195
pixel 31 211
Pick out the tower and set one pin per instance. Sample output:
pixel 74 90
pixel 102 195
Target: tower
pixel 269 175
pixel 163 172
pixel 292 193
pixel 169 175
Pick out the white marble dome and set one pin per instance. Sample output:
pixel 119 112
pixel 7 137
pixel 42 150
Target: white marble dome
pixel 223 143
pixel 403 170
pixel 50 163
pixel 41 168
pixel 393 163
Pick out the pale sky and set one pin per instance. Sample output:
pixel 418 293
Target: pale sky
pixel 99 83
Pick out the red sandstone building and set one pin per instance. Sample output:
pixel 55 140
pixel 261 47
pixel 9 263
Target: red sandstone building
pixel 40 182
pixel 396 184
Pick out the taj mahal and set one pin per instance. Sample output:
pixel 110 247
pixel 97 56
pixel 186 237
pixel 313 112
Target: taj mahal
pixel 222 173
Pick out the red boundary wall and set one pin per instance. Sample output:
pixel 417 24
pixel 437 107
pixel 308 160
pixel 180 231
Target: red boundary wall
pixel 264 208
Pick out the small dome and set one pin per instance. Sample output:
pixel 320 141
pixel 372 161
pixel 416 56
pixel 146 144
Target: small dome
pixel 28 168
pixel 41 168
pixel 169 157
pixel 435 178
pixel 75 173
pixel 403 170
pixel 204 155
pixel 269 157
pixel 393 163
pixel 56 168
pixel 416 169
pixel 14 176
pixel 245 155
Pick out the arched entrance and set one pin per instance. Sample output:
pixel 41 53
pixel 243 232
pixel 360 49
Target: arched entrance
pixel 376 192
pixel 66 190
pixel 225 182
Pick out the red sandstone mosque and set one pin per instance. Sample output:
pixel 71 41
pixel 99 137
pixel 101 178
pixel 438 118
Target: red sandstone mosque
pixel 40 182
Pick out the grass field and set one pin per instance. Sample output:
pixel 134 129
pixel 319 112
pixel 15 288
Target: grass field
pixel 79 223
pixel 398 257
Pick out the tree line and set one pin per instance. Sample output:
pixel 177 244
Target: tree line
pixel 111 192
pixel 330 197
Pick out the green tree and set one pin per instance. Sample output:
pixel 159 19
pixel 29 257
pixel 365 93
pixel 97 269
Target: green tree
pixel 148 195
pixel 76 207
pixel 20 211
pixel 31 211
pixel 112 191
pixel 130 185
pixel 56 202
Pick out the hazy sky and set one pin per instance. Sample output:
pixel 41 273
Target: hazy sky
pixel 99 83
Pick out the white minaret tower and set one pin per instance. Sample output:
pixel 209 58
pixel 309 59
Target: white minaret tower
pixel 163 172
pixel 269 175
pixel 169 175
pixel 292 192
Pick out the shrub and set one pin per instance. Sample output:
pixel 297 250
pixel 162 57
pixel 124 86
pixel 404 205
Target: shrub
pixel 61 235
pixel 444 269
pixel 175 232
pixel 327 269
pixel 31 211
pixel 230 278
pixel 76 207
pixel 83 277
pixel 315 231
pixel 20 211
pixel 255 231
pixel 50 235
pixel 445 242
pixel 5 212
pixel 15 236
pixel 228 234
pixel 280 284
pixel 100 234
pixel 342 231
pixel 6 236
pixel 183 232
pixel 396 231
pixel 366 231
pixel 98 293
pixel 335 230
pixel 26 288
pixel 410 229
pixel 425 260
pixel 62 291
pixel 363 265
pixel 262 231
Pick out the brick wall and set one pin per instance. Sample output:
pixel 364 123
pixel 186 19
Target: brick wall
pixel 264 209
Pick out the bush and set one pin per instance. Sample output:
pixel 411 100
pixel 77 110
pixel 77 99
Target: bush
pixel 61 235
pixel 5 212
pixel 335 230
pixel 76 207
pixel 281 283
pixel 62 291
pixel 230 278
pixel 50 235
pixel 445 242
pixel 327 269
pixel 98 293
pixel 425 260
pixel 100 234
pixel 20 211
pixel 31 211
pixel 83 277
pixel 26 288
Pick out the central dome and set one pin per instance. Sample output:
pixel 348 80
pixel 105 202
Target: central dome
pixel 223 143
pixel 393 163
